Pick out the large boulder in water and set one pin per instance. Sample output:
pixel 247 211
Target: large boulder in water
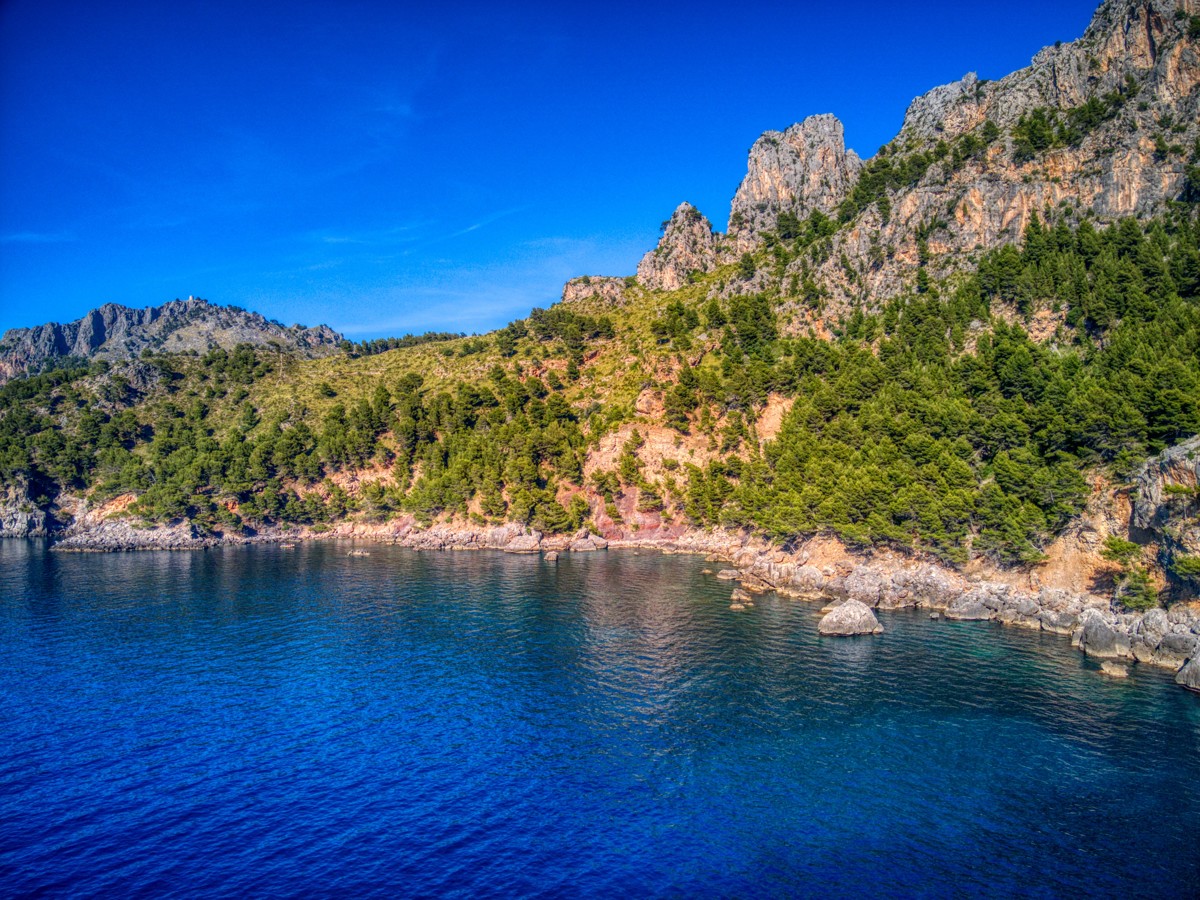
pixel 852 617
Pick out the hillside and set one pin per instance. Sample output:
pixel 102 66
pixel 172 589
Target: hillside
pixel 117 333
pixel 860 361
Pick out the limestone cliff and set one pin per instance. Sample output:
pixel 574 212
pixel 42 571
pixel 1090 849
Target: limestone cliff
pixel 1167 505
pixel 688 246
pixel 805 168
pixel 115 332
pixel 1102 127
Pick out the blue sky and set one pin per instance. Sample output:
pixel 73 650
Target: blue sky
pixel 394 167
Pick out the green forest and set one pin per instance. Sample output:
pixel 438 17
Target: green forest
pixel 933 423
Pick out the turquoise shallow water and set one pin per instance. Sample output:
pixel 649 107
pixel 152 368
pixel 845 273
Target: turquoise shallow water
pixel 258 721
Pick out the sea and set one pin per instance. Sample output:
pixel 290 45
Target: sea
pixel 260 721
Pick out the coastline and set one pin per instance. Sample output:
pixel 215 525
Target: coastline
pixel 819 569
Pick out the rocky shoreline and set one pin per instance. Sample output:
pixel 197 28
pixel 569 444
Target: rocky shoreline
pixel 819 569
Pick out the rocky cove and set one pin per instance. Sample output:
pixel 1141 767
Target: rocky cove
pixel 818 570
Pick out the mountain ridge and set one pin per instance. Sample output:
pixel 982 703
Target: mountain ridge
pixel 115 332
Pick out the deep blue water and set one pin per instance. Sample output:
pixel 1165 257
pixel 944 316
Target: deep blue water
pixel 265 722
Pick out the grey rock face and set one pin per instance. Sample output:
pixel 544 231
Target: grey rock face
pixel 585 542
pixel 1114 670
pixel 612 291
pixel 802 169
pixel 989 199
pixel 1167 502
pixel 121 535
pixel 115 332
pixel 1100 636
pixel 688 245
pixel 19 517
pixel 1189 675
pixel 850 618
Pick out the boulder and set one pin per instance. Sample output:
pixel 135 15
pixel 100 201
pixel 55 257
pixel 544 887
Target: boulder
pixel 1189 675
pixel 1099 636
pixel 969 607
pixel 850 618
pixel 585 542
pixel 524 543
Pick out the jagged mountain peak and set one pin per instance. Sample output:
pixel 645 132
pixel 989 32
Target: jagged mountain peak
pixel 1128 42
pixel 805 168
pixel 688 245
pixel 115 332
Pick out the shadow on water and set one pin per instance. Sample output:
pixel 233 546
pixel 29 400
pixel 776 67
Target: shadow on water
pixel 265 720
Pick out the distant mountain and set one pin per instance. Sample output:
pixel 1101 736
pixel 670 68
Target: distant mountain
pixel 114 332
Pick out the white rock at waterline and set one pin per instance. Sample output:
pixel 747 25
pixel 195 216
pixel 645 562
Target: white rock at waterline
pixel 852 617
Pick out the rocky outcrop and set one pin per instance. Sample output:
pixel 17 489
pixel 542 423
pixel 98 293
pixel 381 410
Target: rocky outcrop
pixel 1166 509
pixel 850 618
pixel 612 291
pixel 113 332
pixel 986 197
pixel 964 186
pixel 805 168
pixel 1189 676
pixel 117 535
pixel 19 514
pixel 688 246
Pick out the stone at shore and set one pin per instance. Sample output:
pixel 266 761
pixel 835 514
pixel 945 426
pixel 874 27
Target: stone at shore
pixel 525 543
pixel 1114 670
pixel 1099 635
pixel 1189 675
pixel 552 556
pixel 740 596
pixel 729 574
pixel 851 618
pixel 585 542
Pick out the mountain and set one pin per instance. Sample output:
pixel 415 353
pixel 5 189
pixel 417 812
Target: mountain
pixel 114 333
pixel 968 365
pixel 1100 128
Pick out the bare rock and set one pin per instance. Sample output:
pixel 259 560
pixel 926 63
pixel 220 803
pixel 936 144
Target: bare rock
pixel 525 543
pixel 586 542
pixel 1114 670
pixel 688 245
pixel 1100 635
pixel 851 618
pixel 804 169
pixel 611 291
pixel 114 332
pixel 1189 675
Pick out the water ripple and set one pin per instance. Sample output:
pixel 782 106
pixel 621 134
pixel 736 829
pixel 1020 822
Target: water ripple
pixel 287 723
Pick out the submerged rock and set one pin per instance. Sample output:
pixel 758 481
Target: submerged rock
pixel 851 618
pixel 1114 670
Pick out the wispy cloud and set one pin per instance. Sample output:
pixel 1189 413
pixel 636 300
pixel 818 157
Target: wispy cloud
pixel 37 237
pixel 397 234
pixel 485 221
